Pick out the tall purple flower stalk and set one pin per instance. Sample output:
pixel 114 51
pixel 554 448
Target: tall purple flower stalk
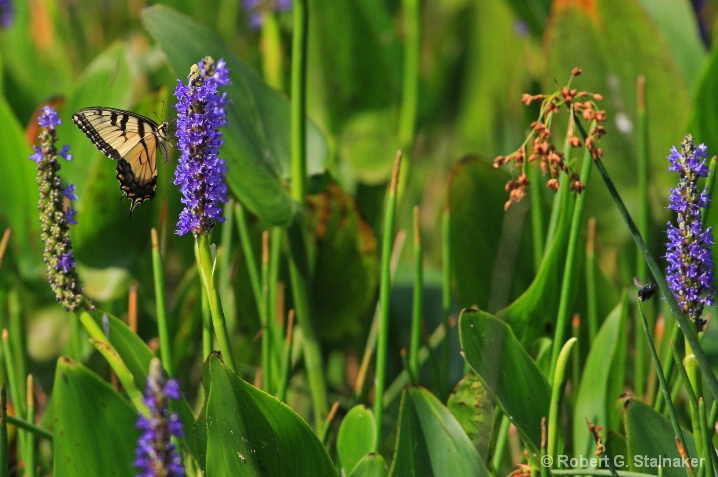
pixel 257 9
pixel 689 256
pixel 200 172
pixel 156 455
pixel 56 215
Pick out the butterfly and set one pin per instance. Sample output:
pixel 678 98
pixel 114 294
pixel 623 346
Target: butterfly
pixel 132 140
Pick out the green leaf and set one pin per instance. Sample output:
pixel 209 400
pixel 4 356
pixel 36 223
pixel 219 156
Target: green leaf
pixel 430 440
pixel 371 465
pixel 257 133
pixel 85 409
pixel 345 246
pixel 19 193
pixel 250 433
pixel 487 341
pixel 356 438
pixel 472 406
pixel 650 438
pixel 601 381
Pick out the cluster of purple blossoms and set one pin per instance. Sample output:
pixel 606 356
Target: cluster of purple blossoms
pixel 156 454
pixel 689 256
pixel 200 172
pixel 56 215
pixel 257 9
pixel 7 13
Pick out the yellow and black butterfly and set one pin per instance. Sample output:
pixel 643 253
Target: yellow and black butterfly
pixel 130 139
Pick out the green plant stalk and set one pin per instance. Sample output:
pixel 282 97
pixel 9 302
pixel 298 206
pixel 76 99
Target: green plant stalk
pixel 556 392
pixel 286 364
pixel 16 395
pixel 206 325
pixel 4 444
pixel 205 264
pixel 249 256
pixel 446 285
pixel 224 263
pixel 299 277
pixel 694 382
pixel 568 280
pixel 668 368
pixel 655 270
pixel 692 398
pixel 501 443
pixel 29 455
pixel 263 316
pixel 576 360
pixel 271 46
pixel 384 291
pixel 23 424
pixel 708 452
pixel 410 86
pixel 299 100
pixel 537 218
pixel 161 306
pixel 418 305
pixel 698 427
pixel 591 299
pixel 17 341
pixel 275 256
pixel 662 380
pixel 710 182
pixel 639 382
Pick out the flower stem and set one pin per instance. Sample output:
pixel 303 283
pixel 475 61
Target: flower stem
pixel 160 303
pixel 410 88
pixel 205 264
pixel 418 305
pixel 299 100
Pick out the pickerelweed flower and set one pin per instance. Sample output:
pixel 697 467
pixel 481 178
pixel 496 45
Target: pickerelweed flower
pixel 200 172
pixel 156 454
pixel 690 261
pixel 257 9
pixel 56 215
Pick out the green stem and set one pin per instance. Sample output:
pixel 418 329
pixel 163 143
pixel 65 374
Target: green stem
pixel 410 88
pixel 446 286
pixel 4 444
pixel 160 303
pixel 249 256
pixel 384 289
pixel 286 364
pixel 299 99
pixel 205 264
pixel 418 305
pixel 29 454
pixel 556 392
pixel 537 218
pixel 263 315
pixel 271 47
pixel 207 347
pixel 23 424
pixel 568 280
pixel 591 296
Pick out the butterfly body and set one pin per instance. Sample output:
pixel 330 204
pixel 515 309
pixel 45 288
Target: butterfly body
pixel 130 139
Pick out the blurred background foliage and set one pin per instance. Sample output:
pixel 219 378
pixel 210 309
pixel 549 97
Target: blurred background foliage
pixel 477 58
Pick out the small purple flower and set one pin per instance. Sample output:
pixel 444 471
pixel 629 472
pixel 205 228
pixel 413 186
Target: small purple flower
pixel 55 216
pixel 156 454
pixel 200 172
pixel 690 261
pixel 257 9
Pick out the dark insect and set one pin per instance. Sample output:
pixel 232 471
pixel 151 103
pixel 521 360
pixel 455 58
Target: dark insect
pixel 646 291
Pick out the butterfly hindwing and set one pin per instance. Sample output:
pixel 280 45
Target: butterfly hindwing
pixel 130 139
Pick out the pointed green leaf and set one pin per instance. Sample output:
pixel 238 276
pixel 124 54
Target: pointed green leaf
pixel 371 465
pixel 518 385
pixel 258 145
pixel 650 438
pixel 356 438
pixel 430 441
pixel 601 381
pixel 85 409
pixel 250 433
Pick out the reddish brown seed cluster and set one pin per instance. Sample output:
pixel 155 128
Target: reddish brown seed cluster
pixel 551 161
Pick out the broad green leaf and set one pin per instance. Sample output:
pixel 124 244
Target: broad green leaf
pixel 250 433
pixel 479 226
pixel 88 411
pixel 601 381
pixel 472 406
pixel 430 441
pixel 345 246
pixel 507 370
pixel 19 193
pixel 258 145
pixel 356 438
pixel 371 465
pixel 650 438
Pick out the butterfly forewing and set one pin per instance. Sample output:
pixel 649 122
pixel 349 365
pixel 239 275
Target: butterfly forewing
pixel 130 139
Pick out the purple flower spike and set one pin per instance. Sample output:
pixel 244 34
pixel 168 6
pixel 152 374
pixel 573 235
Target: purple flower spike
pixel 257 9
pixel 690 261
pixel 200 172
pixel 156 454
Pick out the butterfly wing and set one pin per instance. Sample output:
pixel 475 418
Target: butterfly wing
pixel 130 139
